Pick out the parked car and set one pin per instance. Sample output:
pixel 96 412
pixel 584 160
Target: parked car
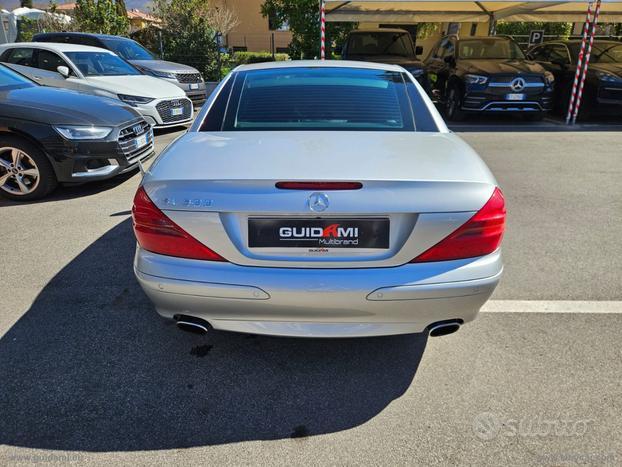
pixel 602 93
pixel 187 78
pixel 50 135
pixel 100 72
pixel 319 199
pixel 385 45
pixel 487 74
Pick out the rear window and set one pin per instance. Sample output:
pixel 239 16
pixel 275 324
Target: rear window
pixel 315 98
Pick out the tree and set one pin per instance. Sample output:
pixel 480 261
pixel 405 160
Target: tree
pixel 303 18
pixel 120 8
pixel 188 36
pixel 56 22
pixel 222 19
pixel 101 16
pixel 523 28
pixel 26 3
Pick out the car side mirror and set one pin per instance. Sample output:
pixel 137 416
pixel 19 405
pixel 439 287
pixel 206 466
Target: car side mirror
pixel 418 50
pixel 63 71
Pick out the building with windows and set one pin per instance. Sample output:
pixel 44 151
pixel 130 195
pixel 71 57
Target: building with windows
pixel 254 33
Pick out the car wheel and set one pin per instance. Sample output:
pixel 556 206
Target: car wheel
pixel 454 104
pixel 25 172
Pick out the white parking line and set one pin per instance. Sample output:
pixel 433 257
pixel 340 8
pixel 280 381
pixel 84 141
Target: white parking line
pixel 552 306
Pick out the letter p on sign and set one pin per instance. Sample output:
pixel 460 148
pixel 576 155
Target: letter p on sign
pixel 536 37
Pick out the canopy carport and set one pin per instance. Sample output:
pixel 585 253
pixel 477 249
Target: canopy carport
pixel 463 11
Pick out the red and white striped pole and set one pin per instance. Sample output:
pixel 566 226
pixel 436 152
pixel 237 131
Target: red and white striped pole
pixel 577 75
pixel 322 30
pixel 587 62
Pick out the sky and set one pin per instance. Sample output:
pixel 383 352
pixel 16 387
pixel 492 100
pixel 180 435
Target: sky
pixel 12 4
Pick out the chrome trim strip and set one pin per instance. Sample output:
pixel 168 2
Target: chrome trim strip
pixel 510 109
pixel 508 85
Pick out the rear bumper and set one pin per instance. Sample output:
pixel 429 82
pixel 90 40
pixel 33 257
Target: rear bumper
pixel 318 302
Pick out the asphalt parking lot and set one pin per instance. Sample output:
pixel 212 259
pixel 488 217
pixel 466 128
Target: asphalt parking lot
pixel 90 374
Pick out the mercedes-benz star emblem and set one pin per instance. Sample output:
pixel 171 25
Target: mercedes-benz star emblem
pixel 518 84
pixel 318 202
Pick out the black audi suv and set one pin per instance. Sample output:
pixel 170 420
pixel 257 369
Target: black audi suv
pixel 487 74
pixel 50 136
pixel 602 93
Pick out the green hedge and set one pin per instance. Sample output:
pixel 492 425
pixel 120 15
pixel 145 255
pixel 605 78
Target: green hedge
pixel 242 58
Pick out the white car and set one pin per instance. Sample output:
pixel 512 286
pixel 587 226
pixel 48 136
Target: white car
pixel 100 72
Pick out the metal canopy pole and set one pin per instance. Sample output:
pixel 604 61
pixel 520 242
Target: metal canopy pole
pixel 322 30
pixel 577 75
pixel 587 61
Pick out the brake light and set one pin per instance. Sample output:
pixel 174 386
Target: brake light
pixel 157 233
pixel 324 186
pixel 479 236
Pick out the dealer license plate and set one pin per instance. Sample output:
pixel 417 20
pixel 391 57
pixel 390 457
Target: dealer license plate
pixel 318 233
pixel 515 97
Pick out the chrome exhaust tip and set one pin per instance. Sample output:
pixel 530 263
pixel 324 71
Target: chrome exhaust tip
pixel 192 324
pixel 443 328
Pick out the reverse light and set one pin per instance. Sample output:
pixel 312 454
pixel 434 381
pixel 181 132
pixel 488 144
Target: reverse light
pixel 325 186
pixel 157 233
pixel 479 236
pixel 83 132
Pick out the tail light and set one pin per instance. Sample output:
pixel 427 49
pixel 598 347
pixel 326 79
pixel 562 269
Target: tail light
pixel 479 236
pixel 157 233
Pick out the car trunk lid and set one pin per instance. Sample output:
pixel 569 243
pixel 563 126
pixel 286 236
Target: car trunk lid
pixel 415 190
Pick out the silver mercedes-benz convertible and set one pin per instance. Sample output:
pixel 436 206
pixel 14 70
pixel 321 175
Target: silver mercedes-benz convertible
pixel 319 199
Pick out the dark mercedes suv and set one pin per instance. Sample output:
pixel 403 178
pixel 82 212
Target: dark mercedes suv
pixel 487 74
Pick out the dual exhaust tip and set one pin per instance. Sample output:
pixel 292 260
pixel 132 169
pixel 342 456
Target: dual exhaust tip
pixel 444 328
pixel 192 324
pixel 200 326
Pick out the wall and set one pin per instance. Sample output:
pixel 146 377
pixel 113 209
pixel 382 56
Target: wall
pixel 253 32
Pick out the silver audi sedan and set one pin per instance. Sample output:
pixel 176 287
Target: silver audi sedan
pixel 319 199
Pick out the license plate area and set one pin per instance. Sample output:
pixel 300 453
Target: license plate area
pixel 177 111
pixel 515 97
pixel 339 233
pixel 142 140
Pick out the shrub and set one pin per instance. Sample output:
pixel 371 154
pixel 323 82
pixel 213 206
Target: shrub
pixel 242 58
